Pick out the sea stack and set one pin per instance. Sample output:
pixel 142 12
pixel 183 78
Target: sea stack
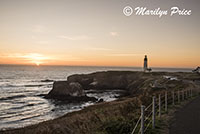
pixel 68 91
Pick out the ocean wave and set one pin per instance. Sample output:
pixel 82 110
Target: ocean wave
pixel 30 117
pixel 47 80
pixel 42 80
pixel 12 97
pixel 23 110
pixel 28 85
pixel 39 85
pixel 7 85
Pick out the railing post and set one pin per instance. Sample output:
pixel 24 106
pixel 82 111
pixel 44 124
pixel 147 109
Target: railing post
pixel 165 101
pixel 153 112
pixel 159 104
pixel 183 95
pixel 173 98
pixel 142 119
pixel 178 96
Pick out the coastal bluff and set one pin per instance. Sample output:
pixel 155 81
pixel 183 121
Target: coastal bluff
pixel 132 82
pixel 118 115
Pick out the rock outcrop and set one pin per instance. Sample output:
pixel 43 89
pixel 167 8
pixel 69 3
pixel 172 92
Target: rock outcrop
pixel 102 80
pixel 68 91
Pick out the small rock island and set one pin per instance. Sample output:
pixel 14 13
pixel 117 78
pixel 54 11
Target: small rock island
pixel 68 91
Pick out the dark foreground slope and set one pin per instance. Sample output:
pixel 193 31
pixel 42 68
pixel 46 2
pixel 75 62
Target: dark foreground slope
pixel 118 116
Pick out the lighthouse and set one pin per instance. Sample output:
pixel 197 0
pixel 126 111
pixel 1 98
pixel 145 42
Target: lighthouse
pixel 145 63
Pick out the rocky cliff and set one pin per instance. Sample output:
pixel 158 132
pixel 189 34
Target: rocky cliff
pixel 133 83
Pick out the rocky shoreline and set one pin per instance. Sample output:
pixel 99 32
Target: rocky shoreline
pixel 139 88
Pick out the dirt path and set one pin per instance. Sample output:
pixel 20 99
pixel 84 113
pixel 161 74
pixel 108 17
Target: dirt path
pixel 187 119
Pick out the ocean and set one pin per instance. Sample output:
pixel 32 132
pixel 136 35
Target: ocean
pixel 20 86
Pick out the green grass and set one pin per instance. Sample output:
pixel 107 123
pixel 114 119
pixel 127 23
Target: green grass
pixel 119 126
pixel 158 126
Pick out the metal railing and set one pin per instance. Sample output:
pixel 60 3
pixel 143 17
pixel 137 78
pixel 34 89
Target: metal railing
pixel 148 115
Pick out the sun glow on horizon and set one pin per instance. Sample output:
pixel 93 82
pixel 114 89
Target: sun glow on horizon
pixel 38 63
pixel 28 58
pixel 35 58
pixel 38 59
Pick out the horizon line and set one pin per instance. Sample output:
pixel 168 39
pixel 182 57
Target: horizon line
pixel 97 66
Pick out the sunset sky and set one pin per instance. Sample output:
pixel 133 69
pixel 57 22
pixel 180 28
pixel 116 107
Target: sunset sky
pixel 97 33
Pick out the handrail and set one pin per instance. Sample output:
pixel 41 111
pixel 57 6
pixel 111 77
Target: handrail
pixel 136 125
pixel 148 125
pixel 148 116
pixel 148 107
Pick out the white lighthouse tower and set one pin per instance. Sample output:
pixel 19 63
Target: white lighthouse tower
pixel 145 63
